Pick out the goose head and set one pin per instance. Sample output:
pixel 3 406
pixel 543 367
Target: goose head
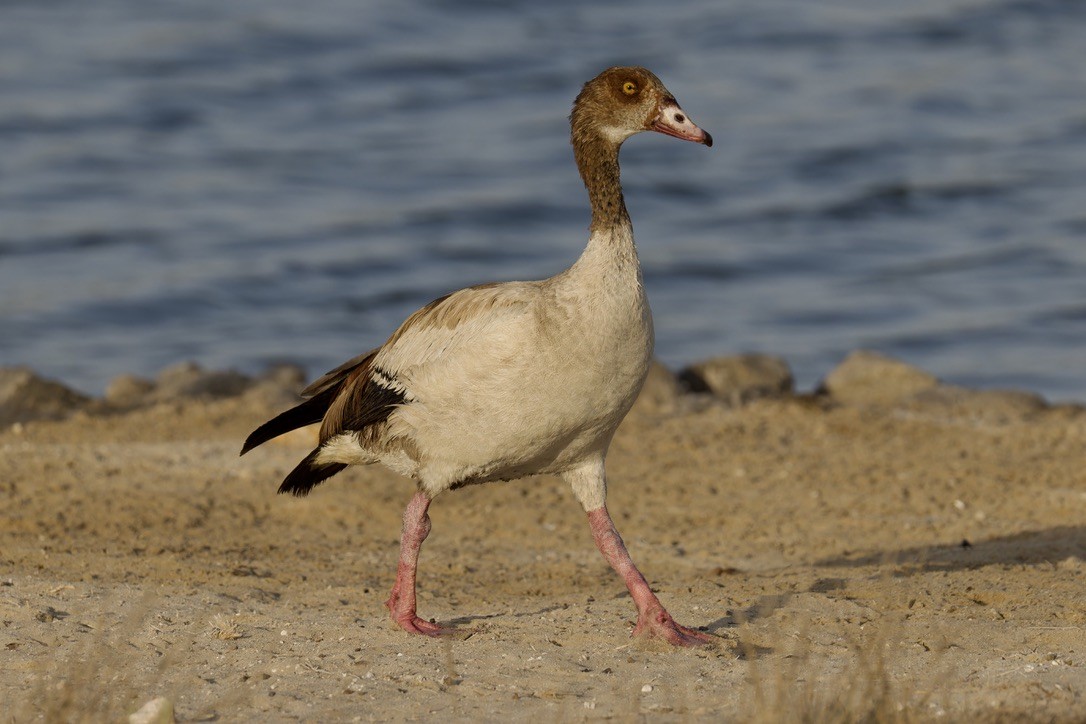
pixel 623 101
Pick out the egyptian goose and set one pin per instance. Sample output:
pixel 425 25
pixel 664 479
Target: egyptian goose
pixel 502 381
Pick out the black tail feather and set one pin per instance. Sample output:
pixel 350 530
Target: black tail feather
pixel 308 474
pixel 307 413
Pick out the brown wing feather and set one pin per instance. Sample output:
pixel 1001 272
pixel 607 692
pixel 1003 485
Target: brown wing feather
pixel 337 375
pixel 362 400
pixel 331 398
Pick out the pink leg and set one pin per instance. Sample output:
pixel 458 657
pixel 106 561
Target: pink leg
pixel 653 621
pixel 401 602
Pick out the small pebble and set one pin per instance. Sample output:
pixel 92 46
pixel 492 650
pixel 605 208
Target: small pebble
pixel 646 689
pixel 156 711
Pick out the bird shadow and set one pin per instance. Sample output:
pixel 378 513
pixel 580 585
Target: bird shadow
pixel 1029 548
pixel 1049 546
pixel 470 619
pixel 764 607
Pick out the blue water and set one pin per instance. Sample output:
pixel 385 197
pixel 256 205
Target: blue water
pixel 253 181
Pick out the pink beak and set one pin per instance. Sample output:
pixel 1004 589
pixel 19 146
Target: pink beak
pixel 672 121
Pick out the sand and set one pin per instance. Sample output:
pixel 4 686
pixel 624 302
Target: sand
pixel 892 548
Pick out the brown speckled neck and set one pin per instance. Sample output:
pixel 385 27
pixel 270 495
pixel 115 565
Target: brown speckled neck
pixel 597 160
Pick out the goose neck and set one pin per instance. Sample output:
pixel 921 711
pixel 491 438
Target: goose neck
pixel 597 160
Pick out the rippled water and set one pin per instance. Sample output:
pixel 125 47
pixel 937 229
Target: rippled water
pixel 262 180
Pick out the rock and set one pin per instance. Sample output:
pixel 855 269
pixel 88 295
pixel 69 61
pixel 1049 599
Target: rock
pixel 188 379
pixel 869 378
pixel 661 392
pixel 740 379
pixel 991 407
pixel 156 711
pixel 128 391
pixel 25 396
pixel 288 376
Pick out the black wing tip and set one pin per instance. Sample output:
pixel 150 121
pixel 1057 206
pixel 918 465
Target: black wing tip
pixel 305 413
pixel 298 491
pixel 308 474
pixel 261 435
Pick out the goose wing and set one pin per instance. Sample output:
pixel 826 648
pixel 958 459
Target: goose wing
pixel 430 344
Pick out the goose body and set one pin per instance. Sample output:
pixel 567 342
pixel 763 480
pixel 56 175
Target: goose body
pixel 503 381
pixel 473 364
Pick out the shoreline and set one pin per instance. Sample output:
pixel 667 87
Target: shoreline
pixel 863 377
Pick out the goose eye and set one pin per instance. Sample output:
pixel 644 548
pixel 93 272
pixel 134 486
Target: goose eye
pixel 629 87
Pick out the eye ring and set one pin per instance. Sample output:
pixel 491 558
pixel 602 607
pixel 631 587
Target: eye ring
pixel 629 87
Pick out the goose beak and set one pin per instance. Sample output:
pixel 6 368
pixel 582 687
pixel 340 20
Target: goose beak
pixel 672 121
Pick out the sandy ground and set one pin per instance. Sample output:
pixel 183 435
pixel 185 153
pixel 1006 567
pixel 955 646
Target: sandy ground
pixel 918 558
